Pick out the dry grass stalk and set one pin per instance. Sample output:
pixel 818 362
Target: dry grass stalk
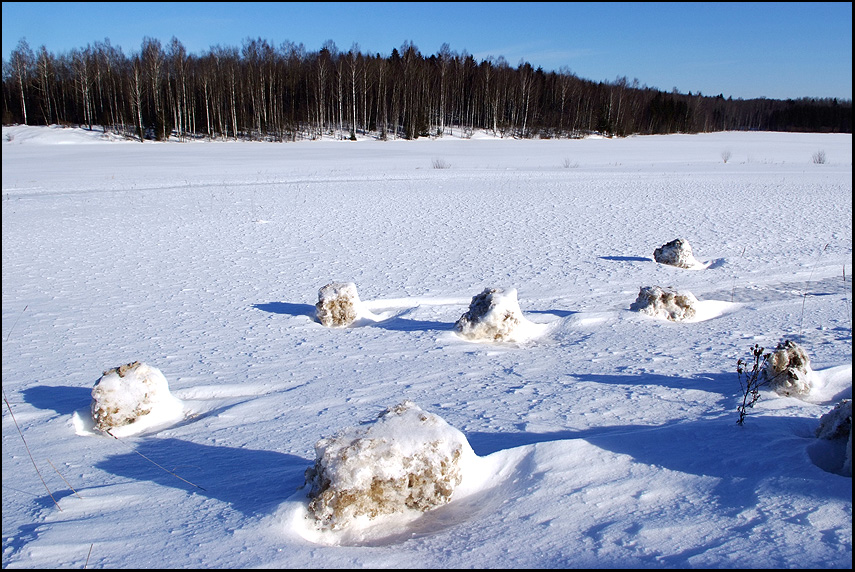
pixel 29 452
pixel 66 482
pixel 159 466
pixel 805 292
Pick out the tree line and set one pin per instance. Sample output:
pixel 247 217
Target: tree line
pixel 263 92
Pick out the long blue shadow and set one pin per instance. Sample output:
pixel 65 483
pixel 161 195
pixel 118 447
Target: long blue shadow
pixel 253 482
pixel 63 399
pixel 395 323
pixel 559 313
pixel 287 308
pixel 724 383
pixel 626 258
pixel 400 324
pixel 713 447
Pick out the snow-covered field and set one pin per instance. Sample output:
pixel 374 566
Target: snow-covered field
pixel 607 438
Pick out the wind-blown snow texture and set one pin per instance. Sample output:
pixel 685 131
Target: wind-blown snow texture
pixel 609 440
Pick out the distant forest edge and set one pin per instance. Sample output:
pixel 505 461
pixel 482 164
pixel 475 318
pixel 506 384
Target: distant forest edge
pixel 261 92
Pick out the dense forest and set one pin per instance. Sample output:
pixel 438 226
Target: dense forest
pixel 264 92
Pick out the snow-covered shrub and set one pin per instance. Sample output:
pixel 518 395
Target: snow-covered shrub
pixel 788 369
pixel 127 394
pixel 837 424
pixel 493 315
pixel 407 460
pixel 338 304
pixel 665 303
pixel 678 253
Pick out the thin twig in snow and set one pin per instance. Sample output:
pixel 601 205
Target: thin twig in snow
pixel 846 299
pixel 156 464
pixel 16 321
pixel 28 451
pixel 66 482
pixel 805 293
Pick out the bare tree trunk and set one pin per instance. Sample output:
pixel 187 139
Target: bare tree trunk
pixel 136 98
pixel 45 83
pixel 21 61
pixel 339 83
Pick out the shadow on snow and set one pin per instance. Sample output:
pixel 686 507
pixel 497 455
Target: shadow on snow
pixel 63 399
pixel 394 323
pixel 251 481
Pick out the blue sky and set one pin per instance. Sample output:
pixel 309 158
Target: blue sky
pixel 741 49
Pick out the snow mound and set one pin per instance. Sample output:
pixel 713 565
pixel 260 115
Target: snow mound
pixel 788 370
pixel 406 461
pixel 677 253
pixel 131 398
pixel 494 315
pixel 836 425
pixel 338 304
pixel 665 303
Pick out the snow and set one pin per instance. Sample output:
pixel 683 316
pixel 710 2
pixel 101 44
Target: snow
pixel 835 426
pixel 836 423
pixel 608 440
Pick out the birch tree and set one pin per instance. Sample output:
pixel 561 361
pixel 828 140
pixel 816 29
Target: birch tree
pixel 44 82
pixel 21 62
